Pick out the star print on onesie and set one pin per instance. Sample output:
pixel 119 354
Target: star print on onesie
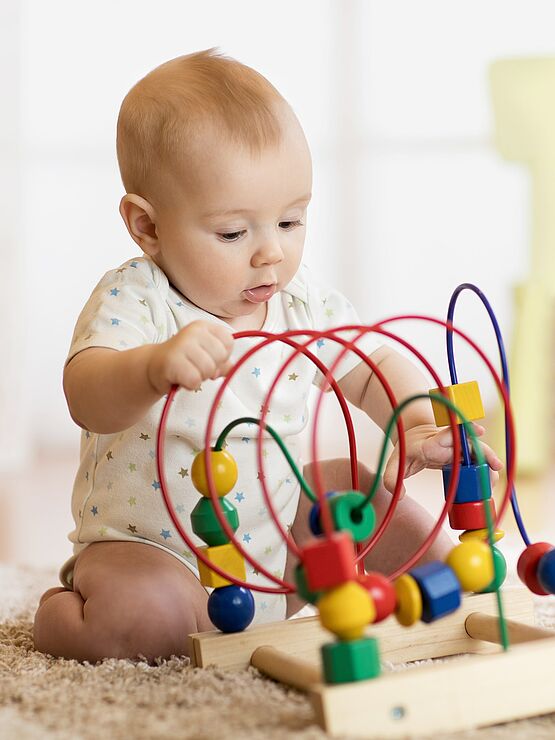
pixel 117 496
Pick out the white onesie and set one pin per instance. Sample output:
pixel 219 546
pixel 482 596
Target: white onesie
pixel 117 495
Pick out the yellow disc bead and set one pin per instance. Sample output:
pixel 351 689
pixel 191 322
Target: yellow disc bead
pixel 409 600
pixel 346 610
pixel 473 564
pixel 224 471
pixel 481 534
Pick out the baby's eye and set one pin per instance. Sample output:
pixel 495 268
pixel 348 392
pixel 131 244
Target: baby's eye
pixel 290 225
pixel 231 236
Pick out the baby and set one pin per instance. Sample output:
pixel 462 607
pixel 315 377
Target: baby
pixel 218 180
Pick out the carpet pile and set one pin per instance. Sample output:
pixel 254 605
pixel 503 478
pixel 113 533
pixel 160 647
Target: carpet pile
pixel 55 699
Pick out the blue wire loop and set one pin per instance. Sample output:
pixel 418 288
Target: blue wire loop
pixel 505 375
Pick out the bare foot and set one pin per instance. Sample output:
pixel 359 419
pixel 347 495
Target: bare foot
pixel 137 599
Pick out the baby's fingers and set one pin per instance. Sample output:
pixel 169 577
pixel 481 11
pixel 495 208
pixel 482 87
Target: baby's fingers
pixel 491 458
pixel 222 370
pixel 445 439
pixel 391 473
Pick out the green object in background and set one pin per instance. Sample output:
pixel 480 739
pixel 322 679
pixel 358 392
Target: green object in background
pixel 524 131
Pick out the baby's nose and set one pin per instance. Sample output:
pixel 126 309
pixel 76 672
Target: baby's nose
pixel 269 250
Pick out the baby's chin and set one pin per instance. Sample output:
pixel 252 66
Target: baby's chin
pixel 247 316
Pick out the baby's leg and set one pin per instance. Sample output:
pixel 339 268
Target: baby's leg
pixel 128 599
pixel 410 524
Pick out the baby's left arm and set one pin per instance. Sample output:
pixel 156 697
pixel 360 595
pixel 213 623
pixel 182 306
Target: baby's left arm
pixel 427 446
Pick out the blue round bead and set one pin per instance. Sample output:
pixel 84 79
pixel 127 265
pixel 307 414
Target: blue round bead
pixel 546 571
pixel 314 516
pixel 231 608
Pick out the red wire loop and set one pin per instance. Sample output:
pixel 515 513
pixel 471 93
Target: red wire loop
pixel 282 586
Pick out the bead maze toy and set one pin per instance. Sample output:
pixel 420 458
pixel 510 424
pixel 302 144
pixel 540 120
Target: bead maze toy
pixel 343 676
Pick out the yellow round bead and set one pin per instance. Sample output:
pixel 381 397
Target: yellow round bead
pixel 409 600
pixel 481 534
pixel 473 564
pixel 224 471
pixel 346 610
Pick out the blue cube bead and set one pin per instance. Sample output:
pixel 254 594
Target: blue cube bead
pixel 469 487
pixel 440 589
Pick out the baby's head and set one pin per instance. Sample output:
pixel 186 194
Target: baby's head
pixel 218 178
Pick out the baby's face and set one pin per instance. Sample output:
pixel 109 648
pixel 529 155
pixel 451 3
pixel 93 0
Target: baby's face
pixel 233 235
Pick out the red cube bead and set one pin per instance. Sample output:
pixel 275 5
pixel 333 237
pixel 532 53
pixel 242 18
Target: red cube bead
pixel 329 562
pixel 527 566
pixel 471 515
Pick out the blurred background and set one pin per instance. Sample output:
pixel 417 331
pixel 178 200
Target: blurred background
pixel 411 194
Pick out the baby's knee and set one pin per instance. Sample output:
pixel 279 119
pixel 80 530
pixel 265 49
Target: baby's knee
pixel 336 474
pixel 366 478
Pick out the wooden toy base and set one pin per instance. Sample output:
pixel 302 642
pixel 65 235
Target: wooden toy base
pixel 472 691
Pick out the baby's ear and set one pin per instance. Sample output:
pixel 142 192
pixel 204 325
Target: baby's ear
pixel 139 217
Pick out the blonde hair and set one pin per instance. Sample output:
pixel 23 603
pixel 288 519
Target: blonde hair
pixel 162 118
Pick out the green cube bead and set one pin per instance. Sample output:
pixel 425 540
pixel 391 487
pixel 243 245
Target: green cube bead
pixel 500 565
pixel 355 660
pixel 302 586
pixel 205 522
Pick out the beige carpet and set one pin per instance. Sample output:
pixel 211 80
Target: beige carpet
pixel 43 697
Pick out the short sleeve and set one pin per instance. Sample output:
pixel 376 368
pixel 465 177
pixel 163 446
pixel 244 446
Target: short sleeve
pixel 330 309
pixel 125 310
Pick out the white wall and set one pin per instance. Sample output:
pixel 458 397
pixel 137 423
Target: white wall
pixel 14 440
pixel 410 199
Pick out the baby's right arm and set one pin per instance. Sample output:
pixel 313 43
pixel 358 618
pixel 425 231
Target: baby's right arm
pixel 109 390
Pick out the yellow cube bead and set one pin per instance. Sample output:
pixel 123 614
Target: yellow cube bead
pixel 224 471
pixel 465 396
pixel 346 610
pixel 409 600
pixel 481 534
pixel 226 557
pixel 472 562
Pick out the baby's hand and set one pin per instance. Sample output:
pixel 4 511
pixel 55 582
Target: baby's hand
pixel 198 352
pixel 428 447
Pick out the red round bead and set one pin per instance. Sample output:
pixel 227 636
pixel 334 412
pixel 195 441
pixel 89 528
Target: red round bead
pixel 382 592
pixel 527 566
pixel 471 515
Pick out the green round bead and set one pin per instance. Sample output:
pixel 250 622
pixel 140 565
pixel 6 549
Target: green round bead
pixel 302 586
pixel 205 522
pixel 500 565
pixel 349 517
pixel 355 660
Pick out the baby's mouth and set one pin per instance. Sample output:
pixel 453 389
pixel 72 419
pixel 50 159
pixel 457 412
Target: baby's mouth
pixel 260 293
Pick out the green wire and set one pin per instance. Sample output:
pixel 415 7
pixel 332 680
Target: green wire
pixel 483 475
pixel 381 464
pixel 251 420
